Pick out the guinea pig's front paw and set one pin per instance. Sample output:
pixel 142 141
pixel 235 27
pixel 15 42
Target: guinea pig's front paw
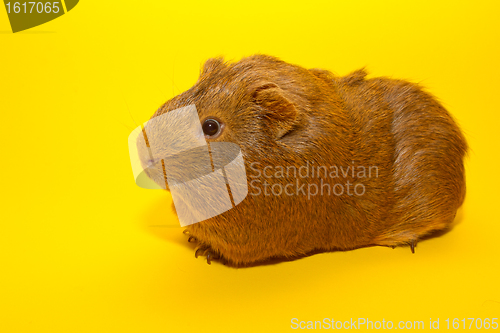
pixel 203 249
pixel 207 251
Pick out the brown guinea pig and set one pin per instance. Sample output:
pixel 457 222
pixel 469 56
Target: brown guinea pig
pixel 332 163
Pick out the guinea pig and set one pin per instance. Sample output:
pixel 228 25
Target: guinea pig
pixel 332 163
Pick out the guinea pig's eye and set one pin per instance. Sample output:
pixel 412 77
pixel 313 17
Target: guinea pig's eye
pixel 211 127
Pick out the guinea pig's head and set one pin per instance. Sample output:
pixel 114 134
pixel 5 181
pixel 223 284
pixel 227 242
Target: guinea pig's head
pixel 259 103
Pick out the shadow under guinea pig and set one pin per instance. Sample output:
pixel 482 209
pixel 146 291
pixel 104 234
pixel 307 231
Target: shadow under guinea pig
pixel 160 220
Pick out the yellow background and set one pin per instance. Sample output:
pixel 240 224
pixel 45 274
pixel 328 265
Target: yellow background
pixel 83 249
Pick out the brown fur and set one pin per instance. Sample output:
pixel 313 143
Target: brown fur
pixel 284 115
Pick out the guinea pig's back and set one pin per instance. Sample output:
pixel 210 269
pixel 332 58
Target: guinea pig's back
pixel 419 150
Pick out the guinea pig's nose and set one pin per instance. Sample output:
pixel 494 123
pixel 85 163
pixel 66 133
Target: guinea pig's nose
pixel 150 162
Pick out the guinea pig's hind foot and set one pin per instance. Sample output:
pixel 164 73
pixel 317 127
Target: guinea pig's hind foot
pixel 413 244
pixel 206 251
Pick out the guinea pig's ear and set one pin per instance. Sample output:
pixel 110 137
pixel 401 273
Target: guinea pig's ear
pixel 212 65
pixel 278 110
